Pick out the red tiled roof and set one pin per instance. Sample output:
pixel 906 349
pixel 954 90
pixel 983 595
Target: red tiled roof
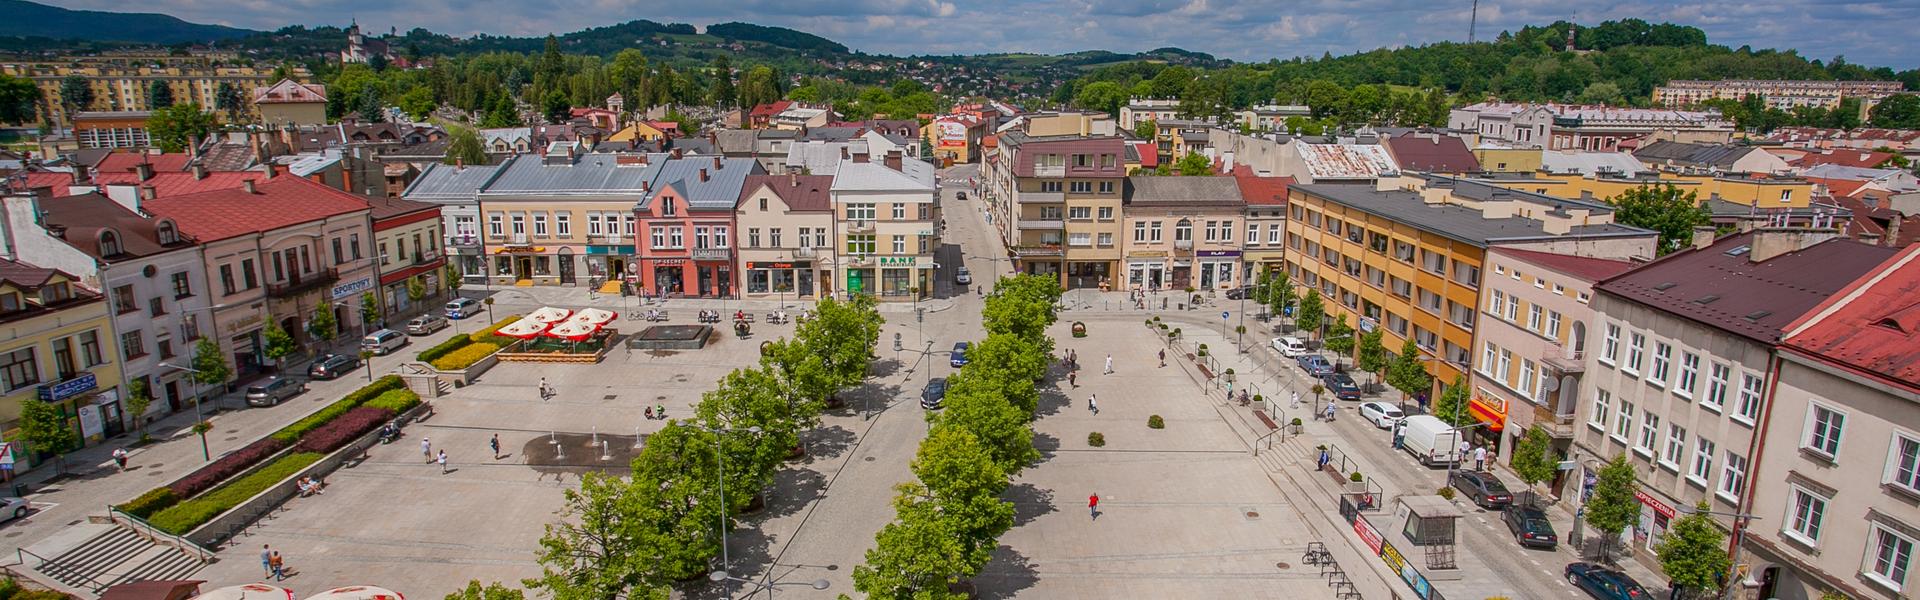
pixel 123 162
pixel 1257 190
pixel 800 192
pixel 175 184
pixel 768 110
pixel 1851 158
pixel 1149 154
pixel 288 91
pixel 1585 268
pixel 1863 221
pixel 1433 153
pixel 1840 187
pixel 278 202
pixel 1872 327
pixel 1742 297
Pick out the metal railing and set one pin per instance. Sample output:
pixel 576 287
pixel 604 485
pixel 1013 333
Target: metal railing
pixel 58 571
pixel 296 284
pixel 147 530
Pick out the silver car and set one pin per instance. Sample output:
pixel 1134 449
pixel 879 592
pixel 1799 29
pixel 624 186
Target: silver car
pixel 12 508
pixel 273 391
pixel 425 324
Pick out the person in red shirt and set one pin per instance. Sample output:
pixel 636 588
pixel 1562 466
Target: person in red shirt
pixel 1093 506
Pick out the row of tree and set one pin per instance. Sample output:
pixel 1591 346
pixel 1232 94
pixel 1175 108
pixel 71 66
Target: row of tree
pixel 635 536
pixel 948 521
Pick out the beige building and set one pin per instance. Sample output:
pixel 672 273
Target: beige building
pixel 1838 477
pixel 56 345
pixel 123 85
pixel 291 103
pixel 786 235
pixel 887 218
pixel 1183 232
pixel 1057 201
pixel 1777 93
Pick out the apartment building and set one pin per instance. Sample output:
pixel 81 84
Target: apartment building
pixel 687 215
pixel 565 218
pixel 123 85
pixel 1777 93
pixel 1271 117
pixel 1570 126
pixel 1057 198
pixel 1264 249
pixel 456 190
pixel 408 240
pixel 1184 233
pixel 1838 476
pixel 1531 338
pixel 786 229
pixel 1139 110
pixel 1681 358
pixel 1408 254
pixel 56 347
pixel 290 102
pixel 112 129
pixel 887 216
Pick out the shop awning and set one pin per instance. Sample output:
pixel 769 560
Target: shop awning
pixel 1488 414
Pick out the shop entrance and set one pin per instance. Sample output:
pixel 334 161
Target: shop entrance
pixel 522 268
pixel 566 266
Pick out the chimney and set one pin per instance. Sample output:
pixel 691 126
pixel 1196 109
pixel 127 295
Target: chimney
pixel 247 184
pixel 860 158
pixel 676 153
pixel 1893 228
pixel 893 160
pixel 843 153
pixel 716 163
pixel 147 192
pixel 1703 236
pixel 459 163
pixel 703 174
pixel 1769 242
pixel 646 186
pixel 199 171
pixel 793 179
pixel 80 175
pixel 144 170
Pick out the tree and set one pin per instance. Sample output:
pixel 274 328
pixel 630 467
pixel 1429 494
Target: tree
pixel 228 98
pixel 1613 507
pixel 1900 111
pixel 1373 353
pixel 843 334
pixel 176 127
pixel 960 478
pixel 1452 404
pixel 1282 295
pixel 761 85
pixel 418 103
pixel 1407 373
pixel 493 591
pixel 370 106
pixel 370 310
pixel 749 398
pixel 19 99
pixel 593 553
pixel 804 374
pixel 722 92
pixel 556 107
pixel 452 276
pixel 139 398
pixel 280 344
pixel 323 326
pixel 503 113
pixel 159 95
pixel 973 403
pixel 46 431
pixel 1103 96
pixel 673 502
pixel 916 557
pixel 1195 164
pixel 76 94
pixel 1146 129
pixel 417 288
pixel 464 147
pixel 209 368
pixel 1693 554
pixel 1662 208
pixel 1311 311
pixel 1533 458
pixel 1340 339
pixel 377 62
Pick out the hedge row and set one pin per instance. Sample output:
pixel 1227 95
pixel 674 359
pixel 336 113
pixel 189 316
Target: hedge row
pixel 205 478
pixel 155 500
pixel 487 335
pixel 441 349
pixel 397 401
pixel 292 433
pixel 10 589
pixel 338 432
pixel 185 516
pixel 465 357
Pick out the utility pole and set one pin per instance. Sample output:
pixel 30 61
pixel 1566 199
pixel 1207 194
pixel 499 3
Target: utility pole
pixel 1473 19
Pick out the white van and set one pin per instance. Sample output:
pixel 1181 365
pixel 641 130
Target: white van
pixel 1289 346
pixel 1429 439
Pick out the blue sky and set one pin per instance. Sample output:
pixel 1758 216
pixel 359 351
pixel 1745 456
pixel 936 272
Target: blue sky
pixel 1872 32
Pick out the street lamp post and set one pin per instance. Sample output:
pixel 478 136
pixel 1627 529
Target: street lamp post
pixel 723 576
pixel 720 483
pixel 205 454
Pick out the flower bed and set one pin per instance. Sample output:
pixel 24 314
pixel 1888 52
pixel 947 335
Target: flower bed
pixel 185 516
pixel 466 356
pixel 155 500
pixel 233 463
pixel 292 433
pixel 397 401
pixel 338 432
pixel 443 348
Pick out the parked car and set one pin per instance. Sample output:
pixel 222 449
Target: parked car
pixel 962 276
pixel 1481 487
pixel 1603 583
pixel 1289 346
pixel 1431 440
pixel 934 394
pixel 1341 385
pixel 1315 365
pixel 12 508
pixel 960 195
pixel 1239 293
pixel 383 342
pixel 1381 414
pixel 1530 526
pixel 425 324
pixel 959 357
pixel 273 391
pixel 461 308
pixel 332 366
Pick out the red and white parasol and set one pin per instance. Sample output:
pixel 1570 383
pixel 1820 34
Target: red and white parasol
pixel 358 592
pixel 251 591
pixel 549 314
pixel 595 316
pixel 573 331
pixel 524 329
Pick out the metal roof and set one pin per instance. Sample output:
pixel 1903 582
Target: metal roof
pixel 591 174
pixel 445 183
pixel 1455 222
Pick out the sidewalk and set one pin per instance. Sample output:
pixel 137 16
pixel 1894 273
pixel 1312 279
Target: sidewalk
pixel 517 300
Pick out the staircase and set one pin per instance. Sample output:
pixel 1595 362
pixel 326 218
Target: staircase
pixel 118 555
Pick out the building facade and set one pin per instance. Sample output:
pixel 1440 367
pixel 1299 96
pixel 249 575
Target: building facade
pixel 122 83
pixel 1183 232
pixel 887 214
pixel 565 218
pixel 1058 204
pixel 688 221
pixel 1777 93
pixel 456 190
pixel 112 129
pixel 785 222
pixel 1579 127
pixel 57 347
pixel 291 103
pixel 407 237
pixel 1264 249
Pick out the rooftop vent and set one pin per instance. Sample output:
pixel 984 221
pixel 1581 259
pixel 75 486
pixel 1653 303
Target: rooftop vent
pixel 1707 299
pixel 1664 286
pixel 1758 315
pixel 1739 250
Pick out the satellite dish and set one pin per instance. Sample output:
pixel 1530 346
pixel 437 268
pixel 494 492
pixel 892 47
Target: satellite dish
pixel 1551 385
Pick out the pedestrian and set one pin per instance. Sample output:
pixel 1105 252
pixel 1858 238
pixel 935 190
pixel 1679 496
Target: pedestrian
pixel 1093 406
pixel 544 394
pixel 1399 434
pixel 120 458
pixel 1330 407
pixel 1163 358
pixel 1296 399
pixel 1093 507
pixel 495 444
pixel 266 559
pixel 426 448
pixel 1480 458
pixel 1464 449
pixel 443 462
pixel 1072 379
pixel 1109 364
pixel 279 566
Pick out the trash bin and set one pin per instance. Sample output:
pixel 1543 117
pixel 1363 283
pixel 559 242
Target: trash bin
pixel 19 490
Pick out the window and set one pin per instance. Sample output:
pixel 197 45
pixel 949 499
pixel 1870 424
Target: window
pixel 1403 251
pixel 900 244
pixel 1553 324
pixel 226 279
pixel 1050 187
pixel 18 369
pixel 1273 233
pixel 109 243
pixel 123 300
pixel 339 251
pixel 1636 351
pixel 676 237
pixel 1601 401
pixel 1805 513
pixel 247 273
pixel 1106 239
pixel 1182 232
pixel 1749 410
pixel 1140 231
pixel 1505 371
pixel 1903 462
pixel 1080 213
pixel 1106 212
pixel 1584 297
pixel 182 285
pixel 1610 345
pixel 1623 422
pixel 753 236
pixel 630 220
pixel 1400 287
pixel 353 242
pixel 1824 427
pixel 1717 386
pixel 1689 374
pixel 1106 187
pixel 1080 187
pixel 1533 318
pixel 1662 360
pixel 1488 354
pixel 1429 300
pixel 165 345
pixel 1253 233
pixel 666 207
pixel 1676 444
pixel 1649 434
pixel 1080 239
pixel 899 211
pixel 1493 302
pixel 700 237
pixel 860 244
pixel 562 225
pixel 1513 309
pixel 658 235
pixel 1702 461
pixel 720 235
pixel 1733 477
pixel 860 211
pixel 1433 261
pixel 156 306
pixel 1888 555
pixel 1526 377
pixel 519 224
pixel 132 346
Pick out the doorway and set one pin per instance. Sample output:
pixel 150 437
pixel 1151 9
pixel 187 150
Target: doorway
pixel 522 268
pixel 566 266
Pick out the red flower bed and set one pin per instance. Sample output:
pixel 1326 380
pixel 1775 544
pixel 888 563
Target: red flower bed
pixel 346 428
pixel 227 466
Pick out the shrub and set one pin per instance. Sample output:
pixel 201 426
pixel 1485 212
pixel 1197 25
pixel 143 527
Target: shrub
pixel 397 401
pixel 1355 477
pixel 339 432
pixel 1096 439
pixel 1296 423
pixel 465 357
pixel 233 463
pixel 10 589
pixel 1444 492
pixel 185 516
pixel 441 349
pixel 1202 352
pixel 293 433
pixel 155 500
pixel 1155 422
pixel 487 335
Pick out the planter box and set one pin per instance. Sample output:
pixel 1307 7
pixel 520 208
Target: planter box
pixel 468 375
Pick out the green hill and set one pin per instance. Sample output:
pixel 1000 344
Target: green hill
pixel 34 20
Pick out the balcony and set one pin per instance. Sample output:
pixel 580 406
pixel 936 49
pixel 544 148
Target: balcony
pixel 609 239
pixel 1039 250
pixel 1043 197
pixel 1186 245
pixel 1050 171
pixel 424 259
pixel 1566 360
pixel 1042 224
pixel 1556 425
pixel 804 252
pixel 860 225
pixel 463 240
pixel 518 239
pixel 297 283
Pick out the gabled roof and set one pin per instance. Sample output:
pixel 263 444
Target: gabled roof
pixel 278 202
pixel 127 162
pixel 1720 156
pixel 1865 159
pixel 288 91
pixel 1183 191
pixel 1261 191
pixel 445 183
pixel 1721 287
pixel 175 184
pixel 1347 161
pixel 1872 327
pixel 1834 171
pixel 387 208
pixel 720 190
pixel 1432 153
pixel 771 109
pixel 85 215
pixel 1584 268
pixel 802 193
pixel 1576 162
pixel 915 175
pixel 586 175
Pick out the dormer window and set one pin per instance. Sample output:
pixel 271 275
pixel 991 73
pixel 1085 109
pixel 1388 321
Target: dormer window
pixel 10 302
pixel 109 243
pixel 666 207
pixel 167 233
pixel 55 293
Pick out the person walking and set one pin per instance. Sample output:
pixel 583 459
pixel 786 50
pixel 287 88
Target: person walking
pixel 1296 400
pixel 278 566
pixel 1163 358
pixel 544 393
pixel 1465 448
pixel 1109 364
pixel 1480 458
pixel 1093 507
pixel 495 444
pixel 1072 381
pixel 266 559
pixel 120 458
pixel 443 462
pixel 1093 406
pixel 1330 408
pixel 426 448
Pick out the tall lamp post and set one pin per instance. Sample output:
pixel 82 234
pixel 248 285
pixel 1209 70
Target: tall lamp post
pixel 205 454
pixel 720 483
pixel 722 576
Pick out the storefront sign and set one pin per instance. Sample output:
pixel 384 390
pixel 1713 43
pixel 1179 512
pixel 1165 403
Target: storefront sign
pixel 778 265
pixel 1367 324
pixel 712 254
pixel 666 262
pixel 90 425
pixel 1368 534
pixel 1218 253
pixel 614 250
pixel 248 322
pixel 350 288
pixel 1654 503
pixel 899 261
pixel 520 250
pixel 55 392
pixel 1492 411
pixel 1408 573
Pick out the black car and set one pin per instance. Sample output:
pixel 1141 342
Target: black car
pixel 1341 385
pixel 332 366
pixel 1605 584
pixel 1530 526
pixel 959 356
pixel 1239 293
pixel 1482 488
pixel 960 195
pixel 936 391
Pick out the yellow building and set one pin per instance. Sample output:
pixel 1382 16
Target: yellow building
pixel 1756 191
pixel 639 130
pixel 1406 255
pixel 56 344
pixel 123 86
pixel 1508 160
